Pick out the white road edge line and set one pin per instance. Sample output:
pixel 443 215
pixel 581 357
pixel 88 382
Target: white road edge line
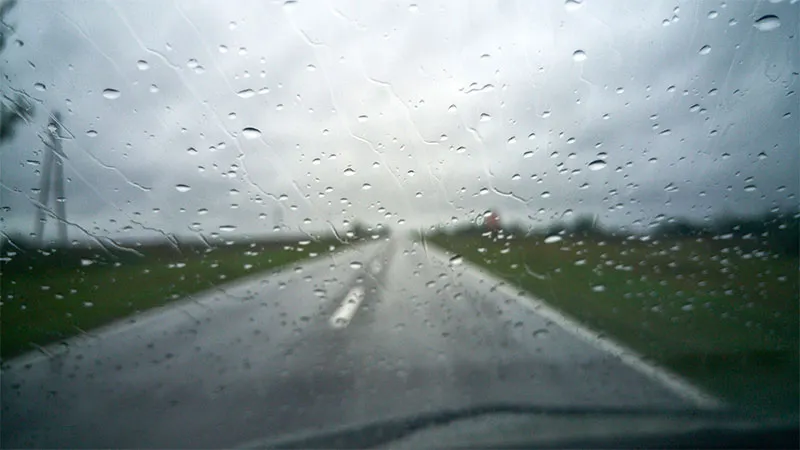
pixel 631 358
pixel 344 314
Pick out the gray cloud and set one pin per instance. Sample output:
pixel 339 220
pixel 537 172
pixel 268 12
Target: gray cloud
pixel 430 107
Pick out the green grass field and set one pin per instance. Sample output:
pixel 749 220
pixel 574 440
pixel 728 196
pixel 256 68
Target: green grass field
pixel 49 297
pixel 722 313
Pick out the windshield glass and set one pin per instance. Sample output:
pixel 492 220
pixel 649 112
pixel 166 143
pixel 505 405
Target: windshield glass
pixel 230 221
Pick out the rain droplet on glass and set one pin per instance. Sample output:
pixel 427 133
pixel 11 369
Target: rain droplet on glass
pixel 597 164
pixel 251 133
pixel 111 94
pixel 246 93
pixel 767 23
pixel 573 5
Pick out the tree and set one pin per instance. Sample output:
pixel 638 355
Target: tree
pixel 583 225
pixel 15 109
pixel 555 228
pixel 359 230
pixel 678 228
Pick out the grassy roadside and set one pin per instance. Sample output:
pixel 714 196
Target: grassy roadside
pixel 720 313
pixel 49 297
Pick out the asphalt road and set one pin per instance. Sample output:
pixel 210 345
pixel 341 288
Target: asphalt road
pixel 384 330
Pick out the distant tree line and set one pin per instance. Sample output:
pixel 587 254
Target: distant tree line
pixel 778 232
pixel 583 225
pixel 359 231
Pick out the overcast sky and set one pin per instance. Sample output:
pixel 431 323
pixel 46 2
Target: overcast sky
pixel 403 114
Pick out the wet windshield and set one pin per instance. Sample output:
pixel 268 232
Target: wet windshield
pixel 230 221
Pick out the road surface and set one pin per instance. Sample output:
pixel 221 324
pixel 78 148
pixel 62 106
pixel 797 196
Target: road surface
pixel 380 331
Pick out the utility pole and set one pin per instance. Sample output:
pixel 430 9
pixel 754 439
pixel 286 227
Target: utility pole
pixel 52 172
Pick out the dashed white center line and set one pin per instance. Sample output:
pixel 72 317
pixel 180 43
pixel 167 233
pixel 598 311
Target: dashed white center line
pixel 344 314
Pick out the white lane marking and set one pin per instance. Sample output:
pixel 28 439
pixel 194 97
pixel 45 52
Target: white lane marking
pixel 674 382
pixel 342 317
